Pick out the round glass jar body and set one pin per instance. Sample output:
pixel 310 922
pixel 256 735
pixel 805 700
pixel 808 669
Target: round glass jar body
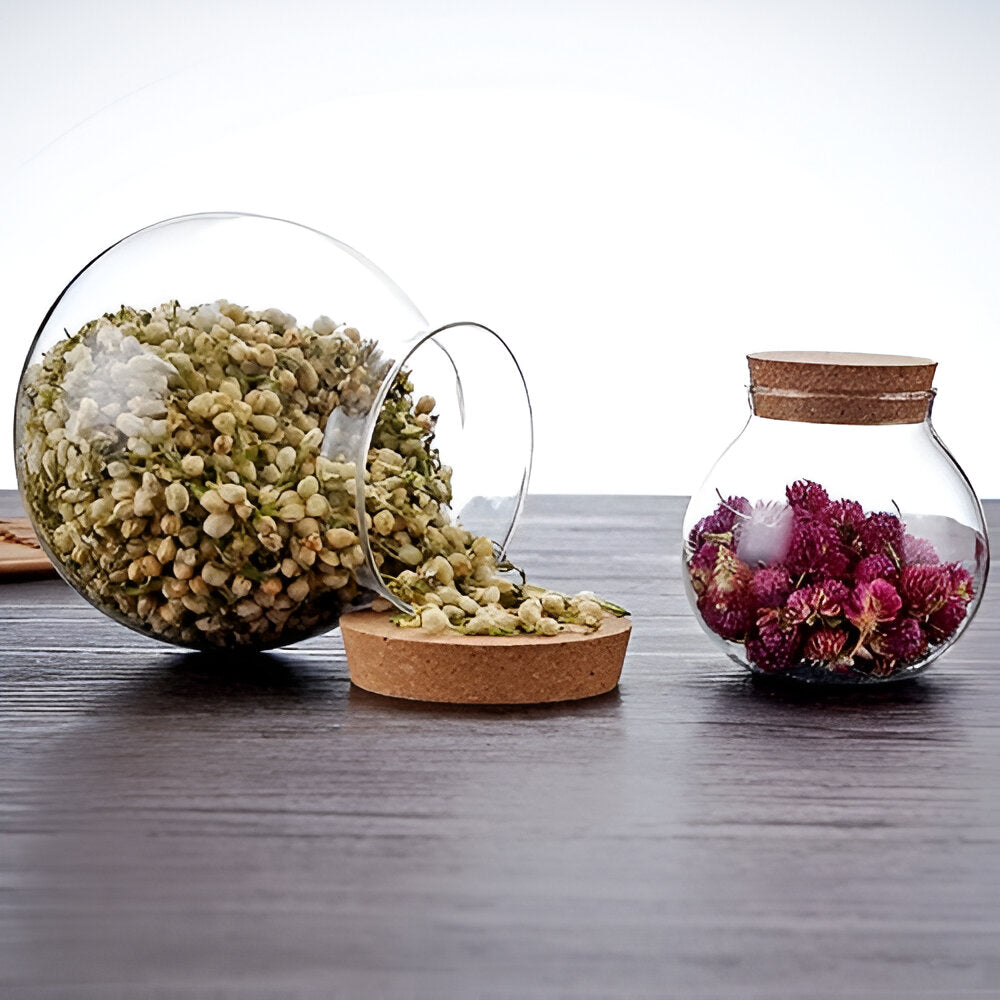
pixel 836 552
pixel 211 459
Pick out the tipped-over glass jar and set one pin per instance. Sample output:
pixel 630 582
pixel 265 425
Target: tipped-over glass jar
pixel 836 540
pixel 212 460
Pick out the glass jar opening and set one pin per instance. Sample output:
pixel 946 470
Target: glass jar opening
pixel 474 393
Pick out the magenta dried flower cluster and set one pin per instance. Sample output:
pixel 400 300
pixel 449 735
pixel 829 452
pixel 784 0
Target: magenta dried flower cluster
pixel 819 581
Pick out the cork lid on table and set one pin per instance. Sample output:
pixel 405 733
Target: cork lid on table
pixel 482 670
pixel 21 555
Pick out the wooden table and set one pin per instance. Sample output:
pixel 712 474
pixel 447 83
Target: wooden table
pixel 177 827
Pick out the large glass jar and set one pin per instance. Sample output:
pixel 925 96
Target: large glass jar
pixel 211 459
pixel 836 540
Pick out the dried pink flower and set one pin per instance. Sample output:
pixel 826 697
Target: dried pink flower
pixel 825 645
pixel 702 565
pixel 819 600
pixel 719 522
pixel 871 603
pixel 881 534
pixel 924 588
pixel 774 648
pixel 807 495
pixel 875 568
pixel 943 623
pixel 961 582
pixel 846 514
pixel 770 586
pixel 727 602
pixel 729 617
pixel 761 537
pixel 902 642
pixel 918 550
pixel 816 548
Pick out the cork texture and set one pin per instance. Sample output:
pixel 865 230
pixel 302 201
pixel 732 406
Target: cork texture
pixel 20 554
pixel 841 388
pixel 482 670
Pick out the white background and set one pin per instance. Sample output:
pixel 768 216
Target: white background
pixel 634 194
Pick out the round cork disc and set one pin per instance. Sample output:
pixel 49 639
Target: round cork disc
pixel 841 388
pixel 20 553
pixel 482 670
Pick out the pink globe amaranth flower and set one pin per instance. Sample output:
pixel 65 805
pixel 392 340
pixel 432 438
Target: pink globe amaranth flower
pixel 918 551
pixel 943 623
pixel 871 603
pixel 727 604
pixel 809 496
pixel 730 617
pixel 774 648
pixel 825 645
pixel 901 642
pixel 702 565
pixel 816 548
pixel 876 568
pixel 961 582
pixel 770 586
pixel 730 573
pixel 818 600
pixel 924 588
pixel 846 514
pixel 881 534
pixel 720 521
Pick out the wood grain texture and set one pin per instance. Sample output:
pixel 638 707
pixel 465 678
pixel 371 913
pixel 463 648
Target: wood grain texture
pixel 181 825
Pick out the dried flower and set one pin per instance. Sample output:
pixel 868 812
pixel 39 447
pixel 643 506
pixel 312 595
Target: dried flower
pixel 719 523
pixel 825 645
pixel 871 603
pixel 817 601
pixel 762 535
pixel 770 586
pixel 961 582
pixel 727 603
pixel 845 514
pixel 944 622
pixel 808 496
pixel 924 588
pixel 774 648
pixel 874 568
pixel 902 642
pixel 702 565
pixel 815 548
pixel 918 551
pixel 882 534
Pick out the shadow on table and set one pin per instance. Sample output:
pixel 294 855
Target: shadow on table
pixel 225 680
pixel 360 700
pixel 758 692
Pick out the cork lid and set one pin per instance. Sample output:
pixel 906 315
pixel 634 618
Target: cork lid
pixel 482 670
pixel 826 387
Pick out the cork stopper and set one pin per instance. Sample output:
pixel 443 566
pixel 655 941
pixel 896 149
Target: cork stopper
pixel 825 387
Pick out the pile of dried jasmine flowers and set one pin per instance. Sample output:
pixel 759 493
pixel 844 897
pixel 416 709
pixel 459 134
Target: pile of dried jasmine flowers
pixel 171 461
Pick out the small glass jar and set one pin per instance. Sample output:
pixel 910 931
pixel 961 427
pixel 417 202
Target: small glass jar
pixel 836 540
pixel 211 459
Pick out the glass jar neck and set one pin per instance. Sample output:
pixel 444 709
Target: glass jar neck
pixel 481 438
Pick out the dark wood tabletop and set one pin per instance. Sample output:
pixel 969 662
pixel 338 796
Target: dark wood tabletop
pixel 174 825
